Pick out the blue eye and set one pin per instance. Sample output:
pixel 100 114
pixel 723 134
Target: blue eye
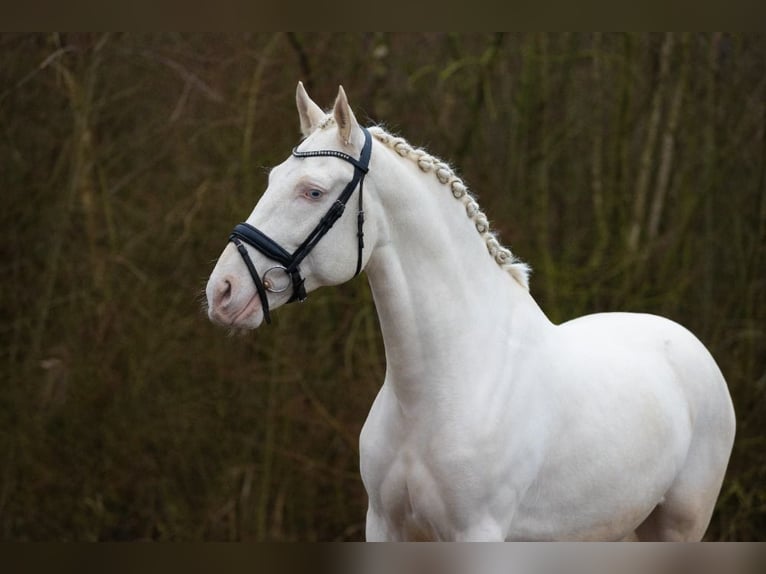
pixel 313 193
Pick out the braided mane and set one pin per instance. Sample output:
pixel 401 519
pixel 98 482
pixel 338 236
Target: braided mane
pixel 444 173
pixel 502 255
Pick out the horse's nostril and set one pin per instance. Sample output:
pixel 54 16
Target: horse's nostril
pixel 224 293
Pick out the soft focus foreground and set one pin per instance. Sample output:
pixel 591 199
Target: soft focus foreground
pixel 629 171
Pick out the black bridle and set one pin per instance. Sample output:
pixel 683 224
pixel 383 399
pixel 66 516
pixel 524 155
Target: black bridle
pixel 289 262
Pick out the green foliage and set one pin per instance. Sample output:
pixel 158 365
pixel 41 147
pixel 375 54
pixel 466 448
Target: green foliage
pixel 629 171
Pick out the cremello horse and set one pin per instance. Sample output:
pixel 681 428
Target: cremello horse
pixel 492 422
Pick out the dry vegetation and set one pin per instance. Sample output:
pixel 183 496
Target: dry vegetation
pixel 628 170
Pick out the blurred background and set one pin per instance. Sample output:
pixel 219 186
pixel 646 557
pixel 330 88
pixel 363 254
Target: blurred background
pixel 628 170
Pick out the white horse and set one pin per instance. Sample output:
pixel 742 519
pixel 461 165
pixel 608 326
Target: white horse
pixel 492 422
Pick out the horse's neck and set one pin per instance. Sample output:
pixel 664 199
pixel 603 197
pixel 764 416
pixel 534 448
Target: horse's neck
pixel 451 317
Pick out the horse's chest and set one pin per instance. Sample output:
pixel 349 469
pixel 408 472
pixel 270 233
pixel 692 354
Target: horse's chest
pixel 430 482
pixel 412 499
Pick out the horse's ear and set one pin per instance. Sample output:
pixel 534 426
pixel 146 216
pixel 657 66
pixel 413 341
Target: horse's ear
pixel 344 117
pixel 310 113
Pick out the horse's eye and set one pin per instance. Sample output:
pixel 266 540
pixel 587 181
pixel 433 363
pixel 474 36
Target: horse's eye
pixel 313 193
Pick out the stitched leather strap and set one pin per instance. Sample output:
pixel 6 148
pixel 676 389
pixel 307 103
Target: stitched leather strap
pixel 244 232
pixel 257 280
pixel 255 237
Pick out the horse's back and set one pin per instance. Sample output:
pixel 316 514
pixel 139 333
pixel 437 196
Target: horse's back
pixel 652 341
pixel 648 348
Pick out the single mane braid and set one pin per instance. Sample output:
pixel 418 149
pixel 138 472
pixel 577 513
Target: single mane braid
pixel 444 173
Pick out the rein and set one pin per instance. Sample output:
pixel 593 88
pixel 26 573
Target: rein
pixel 289 262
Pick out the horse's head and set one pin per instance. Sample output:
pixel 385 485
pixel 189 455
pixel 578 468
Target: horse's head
pixel 301 235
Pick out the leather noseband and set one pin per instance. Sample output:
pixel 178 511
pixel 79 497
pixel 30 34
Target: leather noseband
pixel 289 262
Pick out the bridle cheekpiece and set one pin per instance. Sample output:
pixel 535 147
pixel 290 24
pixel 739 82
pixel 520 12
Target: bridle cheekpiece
pixel 289 262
